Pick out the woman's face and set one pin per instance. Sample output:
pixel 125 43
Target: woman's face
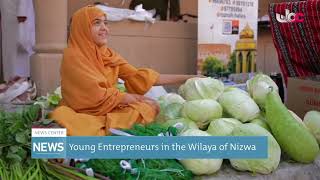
pixel 100 31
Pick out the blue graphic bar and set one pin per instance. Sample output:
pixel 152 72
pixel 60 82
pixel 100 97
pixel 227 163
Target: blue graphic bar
pixel 48 147
pixel 155 147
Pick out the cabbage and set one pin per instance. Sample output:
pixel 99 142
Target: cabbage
pixel 236 89
pixel 171 98
pixel 181 91
pixel 200 166
pixel 171 111
pixel 261 123
pixel 186 124
pixel 239 105
pixel 258 88
pixel 194 132
pixel 201 88
pixel 262 116
pixel 202 111
pixel 223 126
pixel 167 110
pixel 312 121
pixel 263 166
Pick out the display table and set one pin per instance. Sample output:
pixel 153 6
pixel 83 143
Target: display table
pixel 286 170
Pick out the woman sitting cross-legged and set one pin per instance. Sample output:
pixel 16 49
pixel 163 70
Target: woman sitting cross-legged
pixel 90 70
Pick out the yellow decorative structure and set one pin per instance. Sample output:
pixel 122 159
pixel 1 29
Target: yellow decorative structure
pixel 246 48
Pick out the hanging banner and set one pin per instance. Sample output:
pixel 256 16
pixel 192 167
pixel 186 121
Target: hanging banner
pixel 227 37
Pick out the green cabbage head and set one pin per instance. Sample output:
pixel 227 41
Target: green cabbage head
pixel 200 166
pixel 201 88
pixel 239 105
pixel 222 126
pixel 171 98
pixel 312 121
pixel 202 111
pixel 184 124
pixel 262 166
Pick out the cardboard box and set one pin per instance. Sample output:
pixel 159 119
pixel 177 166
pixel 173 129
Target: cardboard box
pixel 303 94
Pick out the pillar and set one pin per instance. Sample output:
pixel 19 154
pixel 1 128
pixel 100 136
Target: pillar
pixel 237 62
pixel 51 36
pixel 244 61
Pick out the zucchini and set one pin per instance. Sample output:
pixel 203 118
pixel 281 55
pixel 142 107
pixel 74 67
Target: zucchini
pixel 293 138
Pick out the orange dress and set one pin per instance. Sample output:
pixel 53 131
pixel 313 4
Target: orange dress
pixel 89 75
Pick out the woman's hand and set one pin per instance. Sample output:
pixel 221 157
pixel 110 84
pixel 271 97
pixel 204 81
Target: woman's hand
pixel 154 104
pixel 133 98
pixel 129 99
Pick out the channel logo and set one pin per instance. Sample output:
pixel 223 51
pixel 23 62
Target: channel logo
pixel 48 143
pixel 290 17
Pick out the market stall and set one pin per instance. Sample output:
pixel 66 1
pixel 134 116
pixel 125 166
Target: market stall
pixel 201 106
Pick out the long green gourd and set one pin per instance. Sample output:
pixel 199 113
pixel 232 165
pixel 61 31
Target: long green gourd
pixel 294 139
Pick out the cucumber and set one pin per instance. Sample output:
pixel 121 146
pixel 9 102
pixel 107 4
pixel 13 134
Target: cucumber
pixel 294 139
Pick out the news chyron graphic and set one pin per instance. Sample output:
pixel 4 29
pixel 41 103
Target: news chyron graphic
pixel 48 143
pixel 290 17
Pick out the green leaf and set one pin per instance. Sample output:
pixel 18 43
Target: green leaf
pixel 29 162
pixel 22 138
pixel 22 153
pixel 54 99
pixel 14 157
pixel 43 104
pixel 121 87
pixel 14 149
pixel 46 121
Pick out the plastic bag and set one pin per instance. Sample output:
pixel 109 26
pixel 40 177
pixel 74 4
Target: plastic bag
pixel 118 14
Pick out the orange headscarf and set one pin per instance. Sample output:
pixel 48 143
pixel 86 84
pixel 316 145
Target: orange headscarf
pixel 80 38
pixel 84 77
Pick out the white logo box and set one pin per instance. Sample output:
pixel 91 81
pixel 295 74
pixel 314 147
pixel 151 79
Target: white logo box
pixel 49 132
